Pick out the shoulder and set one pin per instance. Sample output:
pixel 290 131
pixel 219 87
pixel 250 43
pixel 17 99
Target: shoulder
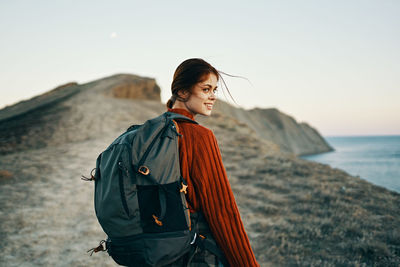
pixel 201 130
pixel 196 131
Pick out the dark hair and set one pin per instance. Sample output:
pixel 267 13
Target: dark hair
pixel 188 74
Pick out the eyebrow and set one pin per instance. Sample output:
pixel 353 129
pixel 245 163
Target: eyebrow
pixel 210 85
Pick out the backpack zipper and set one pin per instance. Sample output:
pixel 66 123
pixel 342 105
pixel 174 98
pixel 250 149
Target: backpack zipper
pixel 121 186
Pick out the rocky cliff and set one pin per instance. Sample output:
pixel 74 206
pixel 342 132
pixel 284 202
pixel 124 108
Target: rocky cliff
pixel 274 126
pixel 136 87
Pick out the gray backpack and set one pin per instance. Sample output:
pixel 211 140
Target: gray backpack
pixel 140 195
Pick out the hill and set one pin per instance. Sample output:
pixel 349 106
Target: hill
pixel 296 213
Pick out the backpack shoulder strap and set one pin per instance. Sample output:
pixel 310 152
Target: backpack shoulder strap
pixel 173 116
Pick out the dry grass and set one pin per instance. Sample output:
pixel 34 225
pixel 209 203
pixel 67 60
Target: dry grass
pixel 308 214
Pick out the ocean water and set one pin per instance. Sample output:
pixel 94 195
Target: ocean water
pixel 373 158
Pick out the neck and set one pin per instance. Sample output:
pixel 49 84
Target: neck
pixel 182 105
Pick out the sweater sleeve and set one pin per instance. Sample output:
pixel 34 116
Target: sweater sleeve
pixel 218 203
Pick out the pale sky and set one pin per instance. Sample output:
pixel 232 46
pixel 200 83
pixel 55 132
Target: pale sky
pixel 333 64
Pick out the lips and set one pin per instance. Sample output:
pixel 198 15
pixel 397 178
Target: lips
pixel 209 106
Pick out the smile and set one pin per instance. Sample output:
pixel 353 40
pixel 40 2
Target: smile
pixel 209 106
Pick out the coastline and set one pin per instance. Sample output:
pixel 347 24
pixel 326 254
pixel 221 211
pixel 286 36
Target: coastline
pixel 374 158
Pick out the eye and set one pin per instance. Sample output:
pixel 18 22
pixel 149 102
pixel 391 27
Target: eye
pixel 206 90
pixel 215 91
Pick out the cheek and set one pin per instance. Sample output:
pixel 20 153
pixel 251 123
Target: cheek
pixel 199 99
pixel 203 97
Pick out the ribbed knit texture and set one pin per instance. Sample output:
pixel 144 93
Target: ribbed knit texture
pixel 209 190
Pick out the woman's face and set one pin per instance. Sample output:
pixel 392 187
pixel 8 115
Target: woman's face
pixel 203 96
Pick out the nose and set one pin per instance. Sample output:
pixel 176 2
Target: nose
pixel 212 95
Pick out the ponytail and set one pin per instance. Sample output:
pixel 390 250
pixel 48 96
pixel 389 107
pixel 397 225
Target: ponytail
pixel 171 102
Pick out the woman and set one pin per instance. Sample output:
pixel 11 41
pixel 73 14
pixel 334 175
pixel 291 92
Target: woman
pixel 194 90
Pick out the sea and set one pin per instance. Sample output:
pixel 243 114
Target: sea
pixel 373 158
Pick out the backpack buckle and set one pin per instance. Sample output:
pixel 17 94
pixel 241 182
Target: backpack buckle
pixel 157 221
pixel 183 188
pixel 144 170
pixel 194 239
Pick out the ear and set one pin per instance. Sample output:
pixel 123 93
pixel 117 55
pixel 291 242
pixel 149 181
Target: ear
pixel 183 94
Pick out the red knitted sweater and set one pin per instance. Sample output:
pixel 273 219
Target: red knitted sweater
pixel 209 190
